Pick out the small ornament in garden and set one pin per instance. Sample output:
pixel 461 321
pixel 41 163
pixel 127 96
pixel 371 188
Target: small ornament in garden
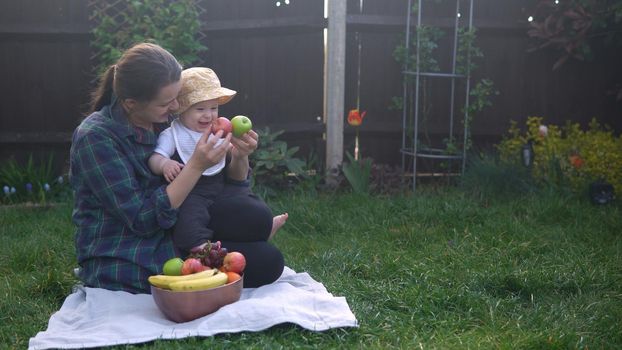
pixel 601 192
pixel 527 154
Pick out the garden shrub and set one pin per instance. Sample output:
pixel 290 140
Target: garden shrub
pixel 567 155
pixel 175 26
pixel 274 164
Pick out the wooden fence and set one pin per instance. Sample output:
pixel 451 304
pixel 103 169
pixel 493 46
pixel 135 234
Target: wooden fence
pixel 274 57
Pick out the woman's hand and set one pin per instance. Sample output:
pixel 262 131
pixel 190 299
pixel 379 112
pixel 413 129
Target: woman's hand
pixel 244 145
pixel 206 154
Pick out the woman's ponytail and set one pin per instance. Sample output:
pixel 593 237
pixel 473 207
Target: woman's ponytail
pixel 103 93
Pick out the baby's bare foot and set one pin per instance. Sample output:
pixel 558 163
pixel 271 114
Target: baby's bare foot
pixel 277 222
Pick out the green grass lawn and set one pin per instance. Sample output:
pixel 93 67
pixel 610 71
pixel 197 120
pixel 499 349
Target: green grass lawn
pixel 441 269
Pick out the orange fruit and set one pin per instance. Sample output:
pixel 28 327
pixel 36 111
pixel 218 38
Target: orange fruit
pixel 232 276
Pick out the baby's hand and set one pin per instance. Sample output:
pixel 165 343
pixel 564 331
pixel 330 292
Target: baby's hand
pixel 171 169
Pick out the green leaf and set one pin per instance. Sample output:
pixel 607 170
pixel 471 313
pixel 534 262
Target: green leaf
pixel 358 173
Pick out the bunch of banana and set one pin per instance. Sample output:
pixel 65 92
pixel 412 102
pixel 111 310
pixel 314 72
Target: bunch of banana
pixel 197 281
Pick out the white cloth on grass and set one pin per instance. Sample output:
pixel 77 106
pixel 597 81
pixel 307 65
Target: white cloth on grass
pixel 95 317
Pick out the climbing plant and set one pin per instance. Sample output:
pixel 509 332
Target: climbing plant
pixel 174 25
pixel 467 56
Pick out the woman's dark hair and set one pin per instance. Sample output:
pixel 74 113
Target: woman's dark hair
pixel 139 74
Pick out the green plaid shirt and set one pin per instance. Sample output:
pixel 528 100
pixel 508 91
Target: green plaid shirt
pixel 121 211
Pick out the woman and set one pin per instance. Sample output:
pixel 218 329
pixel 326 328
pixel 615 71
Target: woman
pixel 122 210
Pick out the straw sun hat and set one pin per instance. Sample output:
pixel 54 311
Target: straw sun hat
pixel 201 84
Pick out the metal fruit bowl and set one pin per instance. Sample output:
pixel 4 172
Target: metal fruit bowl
pixel 187 306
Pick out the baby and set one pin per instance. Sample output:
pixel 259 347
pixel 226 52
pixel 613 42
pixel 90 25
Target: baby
pixel 199 98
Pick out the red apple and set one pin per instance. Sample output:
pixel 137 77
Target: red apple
pixel 221 123
pixel 191 265
pixel 234 262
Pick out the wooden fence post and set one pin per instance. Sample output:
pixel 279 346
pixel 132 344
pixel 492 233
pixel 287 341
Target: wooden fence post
pixel 335 82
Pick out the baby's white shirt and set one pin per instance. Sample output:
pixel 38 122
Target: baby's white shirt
pixel 180 138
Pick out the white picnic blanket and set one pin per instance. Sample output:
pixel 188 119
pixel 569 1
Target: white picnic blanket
pixel 95 317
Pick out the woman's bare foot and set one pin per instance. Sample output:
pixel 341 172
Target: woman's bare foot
pixel 277 222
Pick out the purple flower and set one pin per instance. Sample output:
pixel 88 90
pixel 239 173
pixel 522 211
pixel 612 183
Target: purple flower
pixel 6 190
pixel 29 187
pixel 46 187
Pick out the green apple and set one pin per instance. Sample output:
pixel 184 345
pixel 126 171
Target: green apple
pixel 241 125
pixel 172 267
